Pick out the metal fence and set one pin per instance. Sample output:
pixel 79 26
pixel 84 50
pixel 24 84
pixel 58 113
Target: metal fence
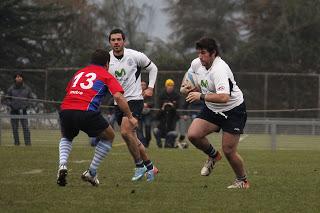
pixel 290 95
pixel 260 133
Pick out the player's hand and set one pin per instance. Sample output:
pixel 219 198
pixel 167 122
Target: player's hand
pixel 134 122
pixel 147 92
pixel 193 96
pixel 187 88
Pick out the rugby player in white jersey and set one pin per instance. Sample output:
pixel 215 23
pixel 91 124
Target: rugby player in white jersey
pixel 126 65
pixel 224 109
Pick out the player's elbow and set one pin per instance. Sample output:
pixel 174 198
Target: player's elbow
pixel 224 98
pixel 152 68
pixel 117 96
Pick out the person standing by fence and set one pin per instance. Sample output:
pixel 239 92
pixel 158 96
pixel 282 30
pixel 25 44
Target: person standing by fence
pixel 17 100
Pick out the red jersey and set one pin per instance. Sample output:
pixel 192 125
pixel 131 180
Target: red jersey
pixel 87 88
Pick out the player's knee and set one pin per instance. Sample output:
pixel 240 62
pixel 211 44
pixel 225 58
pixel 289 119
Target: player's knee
pixel 228 151
pixel 193 136
pixel 125 134
pixel 107 135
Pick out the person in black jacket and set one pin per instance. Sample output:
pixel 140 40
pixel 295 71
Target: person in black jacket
pixel 167 119
pixel 167 116
pixel 144 129
pixel 17 100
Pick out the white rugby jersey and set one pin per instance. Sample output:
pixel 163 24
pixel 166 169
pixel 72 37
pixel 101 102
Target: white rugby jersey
pixel 218 79
pixel 127 71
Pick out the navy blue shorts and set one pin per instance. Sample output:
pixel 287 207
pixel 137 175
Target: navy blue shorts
pixel 136 107
pixel 90 122
pixel 232 121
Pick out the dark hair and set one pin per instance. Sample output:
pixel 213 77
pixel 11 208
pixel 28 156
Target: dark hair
pixel 208 44
pixel 17 74
pixel 116 31
pixel 100 57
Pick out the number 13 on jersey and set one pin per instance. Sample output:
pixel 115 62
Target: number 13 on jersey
pixel 90 77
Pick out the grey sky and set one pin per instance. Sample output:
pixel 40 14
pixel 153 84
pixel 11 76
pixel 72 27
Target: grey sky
pixel 155 24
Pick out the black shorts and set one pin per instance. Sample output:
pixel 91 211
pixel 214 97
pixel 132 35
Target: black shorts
pixel 72 121
pixel 136 107
pixel 232 121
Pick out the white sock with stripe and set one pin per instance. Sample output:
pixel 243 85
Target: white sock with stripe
pixel 101 151
pixel 65 147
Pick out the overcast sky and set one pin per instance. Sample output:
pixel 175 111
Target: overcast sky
pixel 155 25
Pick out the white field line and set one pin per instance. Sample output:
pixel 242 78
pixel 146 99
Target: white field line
pixel 243 137
pixel 33 171
pixel 54 145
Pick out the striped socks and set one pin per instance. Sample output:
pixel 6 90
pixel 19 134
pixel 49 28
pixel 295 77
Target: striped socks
pixel 65 147
pixel 101 151
pixel 211 152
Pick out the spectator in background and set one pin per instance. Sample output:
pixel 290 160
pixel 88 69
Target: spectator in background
pixel 189 112
pixel 17 100
pixel 168 116
pixel 111 111
pixel 169 95
pixel 167 119
pixel 144 131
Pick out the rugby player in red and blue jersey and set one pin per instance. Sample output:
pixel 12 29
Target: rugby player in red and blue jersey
pixel 80 111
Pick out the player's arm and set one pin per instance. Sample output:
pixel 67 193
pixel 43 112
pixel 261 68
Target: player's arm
pixel 186 85
pixel 211 97
pixel 124 107
pixel 151 68
pixel 221 95
pixel 153 72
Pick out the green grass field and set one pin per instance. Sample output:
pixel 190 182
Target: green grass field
pixel 286 180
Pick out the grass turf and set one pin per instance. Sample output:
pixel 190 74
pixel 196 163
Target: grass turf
pixel 281 181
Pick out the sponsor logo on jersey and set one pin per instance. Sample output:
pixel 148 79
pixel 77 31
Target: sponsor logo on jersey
pixel 76 92
pixel 204 83
pixel 120 73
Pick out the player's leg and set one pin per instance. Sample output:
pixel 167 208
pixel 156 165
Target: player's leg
pixel 95 125
pixel 232 127
pixel 101 151
pixel 68 132
pixel 229 146
pixel 129 135
pixel 151 169
pixel 197 133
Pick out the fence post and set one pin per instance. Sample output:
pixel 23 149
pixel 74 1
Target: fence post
pixel 0 130
pixel 265 95
pixel 273 136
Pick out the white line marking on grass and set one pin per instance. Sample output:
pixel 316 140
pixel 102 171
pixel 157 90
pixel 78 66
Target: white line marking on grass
pixel 33 171
pixel 243 137
pixel 119 144
pixel 81 161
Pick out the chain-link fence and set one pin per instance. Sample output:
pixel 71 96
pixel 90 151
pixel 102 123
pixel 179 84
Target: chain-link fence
pixel 283 108
pixel 290 95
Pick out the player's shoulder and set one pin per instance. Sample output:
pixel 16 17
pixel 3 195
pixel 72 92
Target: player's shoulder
pixel 133 53
pixel 220 65
pixel 195 64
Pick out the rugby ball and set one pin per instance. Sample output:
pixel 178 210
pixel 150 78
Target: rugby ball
pixel 189 83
